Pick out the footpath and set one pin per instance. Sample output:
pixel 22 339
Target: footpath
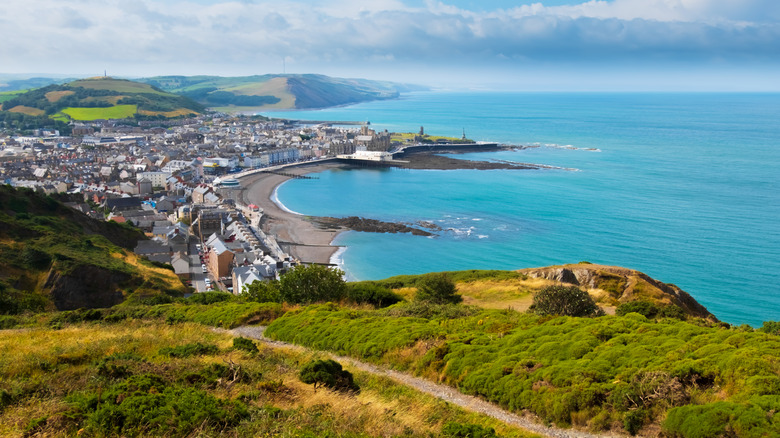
pixel 442 392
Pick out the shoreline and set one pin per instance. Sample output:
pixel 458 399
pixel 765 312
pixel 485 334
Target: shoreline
pixel 297 235
pixel 311 242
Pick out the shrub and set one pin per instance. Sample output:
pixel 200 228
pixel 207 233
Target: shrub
pixel 309 284
pixel 436 288
pixel 116 366
pixel 242 343
pixel 328 373
pixel 147 405
pixel 187 350
pixel 461 430
pixel 771 327
pixel 633 421
pixel 564 300
pixel 371 293
pixel 262 292
pixel 646 308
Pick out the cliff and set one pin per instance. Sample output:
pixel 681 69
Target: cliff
pixel 613 285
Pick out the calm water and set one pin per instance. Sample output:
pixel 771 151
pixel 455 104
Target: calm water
pixel 684 187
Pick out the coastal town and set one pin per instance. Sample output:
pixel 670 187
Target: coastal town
pixel 184 183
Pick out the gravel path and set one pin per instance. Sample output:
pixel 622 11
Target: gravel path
pixel 442 392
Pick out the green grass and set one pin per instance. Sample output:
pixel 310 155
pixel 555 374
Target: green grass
pixel 118 85
pixel 61 117
pixel 589 372
pixel 95 380
pixel 114 112
pixel 8 95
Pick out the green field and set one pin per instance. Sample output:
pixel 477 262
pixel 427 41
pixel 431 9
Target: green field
pixel 117 85
pixel 8 95
pixel 114 112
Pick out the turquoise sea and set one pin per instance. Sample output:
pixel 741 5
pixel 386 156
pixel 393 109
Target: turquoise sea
pixel 684 187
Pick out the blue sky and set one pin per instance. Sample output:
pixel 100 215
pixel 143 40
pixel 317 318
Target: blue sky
pixel 594 45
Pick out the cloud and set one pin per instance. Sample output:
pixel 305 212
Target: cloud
pixel 229 37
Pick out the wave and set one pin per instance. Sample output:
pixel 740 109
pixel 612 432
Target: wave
pixel 569 147
pixel 337 259
pixel 275 200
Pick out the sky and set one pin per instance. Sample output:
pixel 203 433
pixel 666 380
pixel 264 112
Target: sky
pixel 545 45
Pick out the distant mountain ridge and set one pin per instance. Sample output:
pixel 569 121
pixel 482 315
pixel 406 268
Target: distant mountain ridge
pixel 228 94
pixel 307 91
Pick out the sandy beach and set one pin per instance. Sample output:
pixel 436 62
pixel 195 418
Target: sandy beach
pixel 298 236
pixel 304 239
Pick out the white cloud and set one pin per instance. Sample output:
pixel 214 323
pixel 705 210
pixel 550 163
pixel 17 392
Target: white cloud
pixel 240 37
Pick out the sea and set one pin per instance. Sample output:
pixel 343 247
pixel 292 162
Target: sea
pixel 684 187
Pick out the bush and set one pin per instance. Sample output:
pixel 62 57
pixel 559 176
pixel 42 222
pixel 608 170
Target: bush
pixel 564 300
pixel 371 293
pixel 460 430
pixel 436 288
pixel 242 343
pixel 187 350
pixel 309 284
pixel 771 327
pixel 262 292
pixel 650 310
pixel 328 373
pixel 147 405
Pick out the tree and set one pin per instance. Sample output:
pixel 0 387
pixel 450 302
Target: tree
pixel 262 292
pixel 309 284
pixel 328 373
pixel 564 300
pixel 436 288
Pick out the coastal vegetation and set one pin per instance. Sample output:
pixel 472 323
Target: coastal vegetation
pixel 146 378
pixel 149 362
pixel 627 373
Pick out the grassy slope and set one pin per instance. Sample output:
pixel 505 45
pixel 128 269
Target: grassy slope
pixel 57 383
pixel 40 237
pixel 294 91
pixel 607 373
pixel 145 100
pixel 117 85
pixel 7 95
pixel 273 87
pixel 598 373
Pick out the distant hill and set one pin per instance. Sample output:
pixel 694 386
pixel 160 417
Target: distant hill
pixel 25 83
pixel 54 257
pixel 92 99
pixel 278 91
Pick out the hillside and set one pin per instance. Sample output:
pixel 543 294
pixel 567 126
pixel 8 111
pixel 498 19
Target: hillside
pixel 277 91
pixel 652 369
pixel 92 99
pixel 52 257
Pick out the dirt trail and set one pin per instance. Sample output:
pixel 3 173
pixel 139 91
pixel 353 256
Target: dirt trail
pixel 442 392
